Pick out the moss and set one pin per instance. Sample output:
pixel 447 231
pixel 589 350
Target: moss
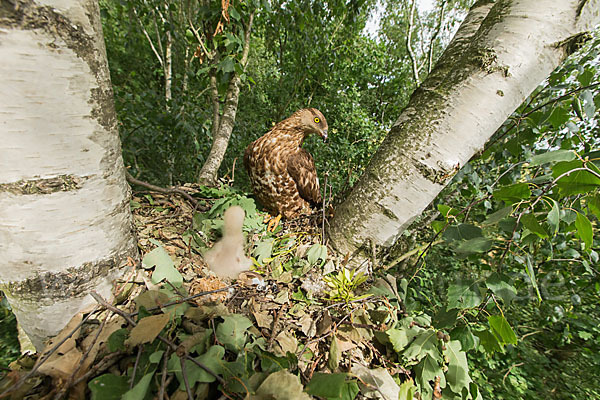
pixel 62 183
pixel 66 284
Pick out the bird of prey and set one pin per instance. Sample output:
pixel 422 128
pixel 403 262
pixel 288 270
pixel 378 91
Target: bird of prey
pixel 282 173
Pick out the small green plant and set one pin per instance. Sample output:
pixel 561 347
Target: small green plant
pixel 344 283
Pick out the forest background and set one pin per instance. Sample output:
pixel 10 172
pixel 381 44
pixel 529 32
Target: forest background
pixel 172 66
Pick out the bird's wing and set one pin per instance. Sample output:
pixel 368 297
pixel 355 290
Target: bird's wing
pixel 301 168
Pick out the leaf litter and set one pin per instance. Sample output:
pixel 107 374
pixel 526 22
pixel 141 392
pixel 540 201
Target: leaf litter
pixel 280 331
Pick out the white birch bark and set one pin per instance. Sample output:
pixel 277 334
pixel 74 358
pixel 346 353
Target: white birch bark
pixel 501 52
pixel 65 223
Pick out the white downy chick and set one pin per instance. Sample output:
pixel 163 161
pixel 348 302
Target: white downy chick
pixel 226 258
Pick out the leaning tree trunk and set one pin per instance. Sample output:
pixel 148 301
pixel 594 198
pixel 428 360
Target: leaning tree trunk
pixel 501 52
pixel 223 124
pixel 65 223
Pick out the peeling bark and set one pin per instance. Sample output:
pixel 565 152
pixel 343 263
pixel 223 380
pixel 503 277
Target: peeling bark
pixel 224 122
pixel 504 47
pixel 65 223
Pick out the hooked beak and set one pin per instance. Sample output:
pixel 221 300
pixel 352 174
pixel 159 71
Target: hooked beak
pixel 324 135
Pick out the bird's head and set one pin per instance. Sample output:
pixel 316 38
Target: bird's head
pixel 313 121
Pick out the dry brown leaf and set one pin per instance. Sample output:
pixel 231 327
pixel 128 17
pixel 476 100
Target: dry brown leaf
pixel 263 319
pixel 61 366
pixel 150 299
pixel 70 343
pixel 287 343
pixel 147 329
pixel 307 325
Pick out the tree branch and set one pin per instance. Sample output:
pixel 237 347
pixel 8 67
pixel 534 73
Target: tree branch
pixel 411 53
pixel 158 56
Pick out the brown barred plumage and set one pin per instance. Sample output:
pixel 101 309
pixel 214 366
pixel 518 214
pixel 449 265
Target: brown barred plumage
pixel 282 173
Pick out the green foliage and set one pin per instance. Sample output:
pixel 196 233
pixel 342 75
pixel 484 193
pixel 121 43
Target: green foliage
pixel 9 344
pixel 526 211
pixel 343 284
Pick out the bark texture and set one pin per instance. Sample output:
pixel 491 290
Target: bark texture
pixel 499 55
pixel 65 223
pixel 224 122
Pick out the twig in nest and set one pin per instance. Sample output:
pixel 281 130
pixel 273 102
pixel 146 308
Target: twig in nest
pixel 169 343
pixel 186 299
pixel 163 378
pixel 185 379
pixel 274 330
pixel 135 365
pixel 150 186
pixel 69 383
pixel 324 207
pixel 102 365
pixel 45 357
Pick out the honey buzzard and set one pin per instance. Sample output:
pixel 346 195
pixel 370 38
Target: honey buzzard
pixel 282 173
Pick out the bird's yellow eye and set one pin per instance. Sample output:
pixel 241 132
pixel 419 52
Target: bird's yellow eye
pixel 317 120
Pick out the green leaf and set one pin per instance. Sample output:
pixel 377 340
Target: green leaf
pixel 427 370
pixel 116 341
pixel 164 267
pixel 576 182
pixel 530 222
pixel 446 210
pixel 234 14
pixel 476 245
pixel 263 251
pixel 593 203
pixel 407 390
pixel 227 65
pixel 425 343
pixel 488 341
pixel 462 232
pixel 138 392
pixel 553 156
pixel 316 252
pixel 558 117
pixel 464 294
pixel 513 193
pixel 584 230
pixel 554 218
pixel 232 331
pixel 502 329
pixel 445 318
pixel 400 338
pixel 585 78
pixel 465 336
pixel 108 387
pixel 327 385
pixel 498 216
pixel 531 274
pixel 457 375
pixel 500 286
pixel 212 359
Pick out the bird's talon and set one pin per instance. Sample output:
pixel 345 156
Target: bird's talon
pixel 273 223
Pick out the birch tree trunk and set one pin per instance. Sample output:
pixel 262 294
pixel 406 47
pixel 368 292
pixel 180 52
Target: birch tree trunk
pixel 499 55
pixel 223 123
pixel 65 222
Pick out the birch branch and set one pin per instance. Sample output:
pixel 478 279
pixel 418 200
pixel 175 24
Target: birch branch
pixel 411 53
pixel 435 35
pixel 158 56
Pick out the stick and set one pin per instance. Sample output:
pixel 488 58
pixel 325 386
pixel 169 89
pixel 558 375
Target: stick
pixel 147 185
pixel 169 343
